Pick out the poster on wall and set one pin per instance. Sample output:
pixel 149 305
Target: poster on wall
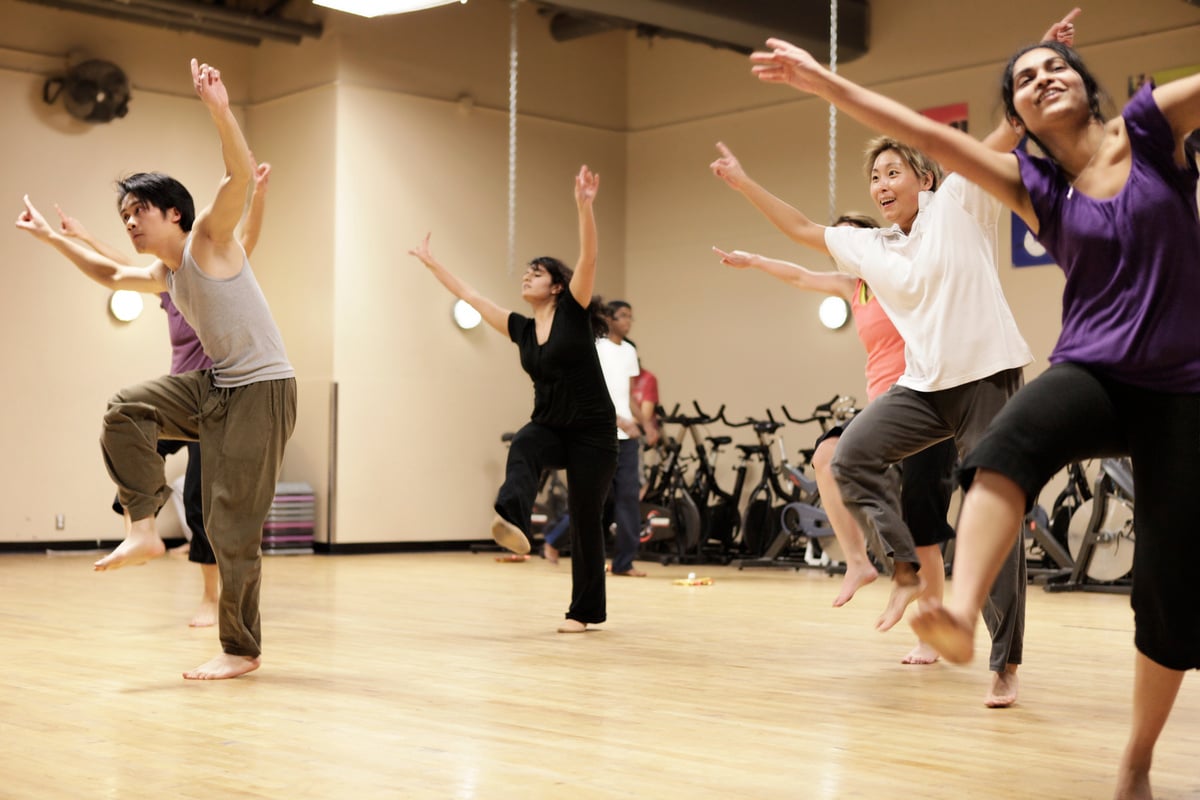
pixel 954 115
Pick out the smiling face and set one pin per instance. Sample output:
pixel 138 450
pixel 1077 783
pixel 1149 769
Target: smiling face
pixel 1045 88
pixel 895 188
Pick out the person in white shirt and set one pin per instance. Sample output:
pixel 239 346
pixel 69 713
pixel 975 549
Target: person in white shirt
pixel 934 273
pixel 619 362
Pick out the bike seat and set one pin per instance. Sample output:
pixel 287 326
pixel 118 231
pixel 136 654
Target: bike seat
pixel 752 449
pixel 719 441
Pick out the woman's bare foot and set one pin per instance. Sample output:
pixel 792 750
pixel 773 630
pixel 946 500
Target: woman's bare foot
pixel 1132 783
pixel 905 589
pixel 137 548
pixel 921 654
pixel 206 614
pixel 509 536
pixel 224 666
pixel 856 577
pixel 951 636
pixel 182 550
pixel 572 626
pixel 1004 688
pixel 550 553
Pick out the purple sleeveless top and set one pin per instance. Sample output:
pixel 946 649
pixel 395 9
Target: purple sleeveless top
pixel 1132 261
pixel 187 355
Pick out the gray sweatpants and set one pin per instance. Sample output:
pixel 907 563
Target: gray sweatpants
pixel 902 422
pixel 242 432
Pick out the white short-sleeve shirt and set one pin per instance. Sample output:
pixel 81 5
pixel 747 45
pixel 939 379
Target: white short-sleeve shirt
pixel 940 287
pixel 619 362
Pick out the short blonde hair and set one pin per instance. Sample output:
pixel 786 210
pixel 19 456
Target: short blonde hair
pixel 917 161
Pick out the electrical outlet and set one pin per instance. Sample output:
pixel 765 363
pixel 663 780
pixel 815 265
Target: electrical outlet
pixel 60 521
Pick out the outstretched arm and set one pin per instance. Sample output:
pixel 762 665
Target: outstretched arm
pixel 74 229
pixel 786 218
pixel 258 205
pixel 997 173
pixel 834 283
pixel 492 314
pixel 215 225
pixel 587 184
pixel 103 270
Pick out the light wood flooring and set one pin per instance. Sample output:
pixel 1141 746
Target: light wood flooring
pixel 441 676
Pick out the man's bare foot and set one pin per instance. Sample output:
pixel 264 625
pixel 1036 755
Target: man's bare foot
pixel 903 593
pixel 1004 689
pixel 205 616
pixel 138 548
pixel 509 536
pixel 951 636
pixel 550 553
pixel 632 572
pixel 921 654
pixel 182 550
pixel 572 626
pixel 854 580
pixel 224 666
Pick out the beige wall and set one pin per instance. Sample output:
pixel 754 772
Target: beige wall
pixel 371 150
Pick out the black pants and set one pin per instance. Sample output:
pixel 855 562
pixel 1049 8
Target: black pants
pixel 1070 413
pixel 200 550
pixel 925 492
pixel 590 471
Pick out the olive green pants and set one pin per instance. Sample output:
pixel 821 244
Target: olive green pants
pixel 242 433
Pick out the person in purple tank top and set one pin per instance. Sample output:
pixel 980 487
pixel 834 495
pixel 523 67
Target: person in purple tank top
pixel 1114 202
pixel 242 411
pixel 187 355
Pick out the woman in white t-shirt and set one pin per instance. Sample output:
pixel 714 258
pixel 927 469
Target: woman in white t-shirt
pixel 934 272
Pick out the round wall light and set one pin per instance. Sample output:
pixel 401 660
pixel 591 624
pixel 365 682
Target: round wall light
pixel 465 316
pixel 125 306
pixel 834 312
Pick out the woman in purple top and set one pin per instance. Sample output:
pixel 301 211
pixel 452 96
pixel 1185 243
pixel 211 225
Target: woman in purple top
pixel 1115 204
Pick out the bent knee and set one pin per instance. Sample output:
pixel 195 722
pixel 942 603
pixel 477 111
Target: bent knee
pixel 822 458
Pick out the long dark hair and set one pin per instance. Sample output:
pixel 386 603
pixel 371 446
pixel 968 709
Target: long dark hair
pixel 560 275
pixel 1095 95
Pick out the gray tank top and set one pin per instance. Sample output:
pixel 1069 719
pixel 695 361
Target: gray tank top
pixel 233 321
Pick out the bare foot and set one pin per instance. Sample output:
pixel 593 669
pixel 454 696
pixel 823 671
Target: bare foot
pixel 854 580
pixel 182 550
pixel 138 548
pixel 903 593
pixel 550 553
pixel 572 626
pixel 226 665
pixel 509 536
pixel 921 654
pixel 205 616
pixel 630 573
pixel 1132 783
pixel 1004 689
pixel 951 636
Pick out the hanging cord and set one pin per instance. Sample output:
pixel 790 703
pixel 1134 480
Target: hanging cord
pixel 833 16
pixel 512 137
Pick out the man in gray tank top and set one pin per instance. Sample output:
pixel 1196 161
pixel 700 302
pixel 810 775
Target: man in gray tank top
pixel 242 411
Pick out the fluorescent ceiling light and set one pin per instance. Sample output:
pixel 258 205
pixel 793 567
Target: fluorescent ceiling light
pixel 379 8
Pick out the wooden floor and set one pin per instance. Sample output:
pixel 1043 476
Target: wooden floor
pixel 440 676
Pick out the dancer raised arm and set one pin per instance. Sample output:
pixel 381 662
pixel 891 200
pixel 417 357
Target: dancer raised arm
pixel 492 313
pixel 787 218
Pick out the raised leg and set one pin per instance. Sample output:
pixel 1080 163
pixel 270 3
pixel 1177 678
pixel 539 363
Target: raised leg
pixel 859 569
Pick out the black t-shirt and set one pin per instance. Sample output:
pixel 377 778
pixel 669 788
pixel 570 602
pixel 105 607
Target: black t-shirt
pixel 568 385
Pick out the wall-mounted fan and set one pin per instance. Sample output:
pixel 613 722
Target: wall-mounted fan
pixel 92 90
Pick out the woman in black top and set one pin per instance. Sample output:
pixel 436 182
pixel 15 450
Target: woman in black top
pixel 573 423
